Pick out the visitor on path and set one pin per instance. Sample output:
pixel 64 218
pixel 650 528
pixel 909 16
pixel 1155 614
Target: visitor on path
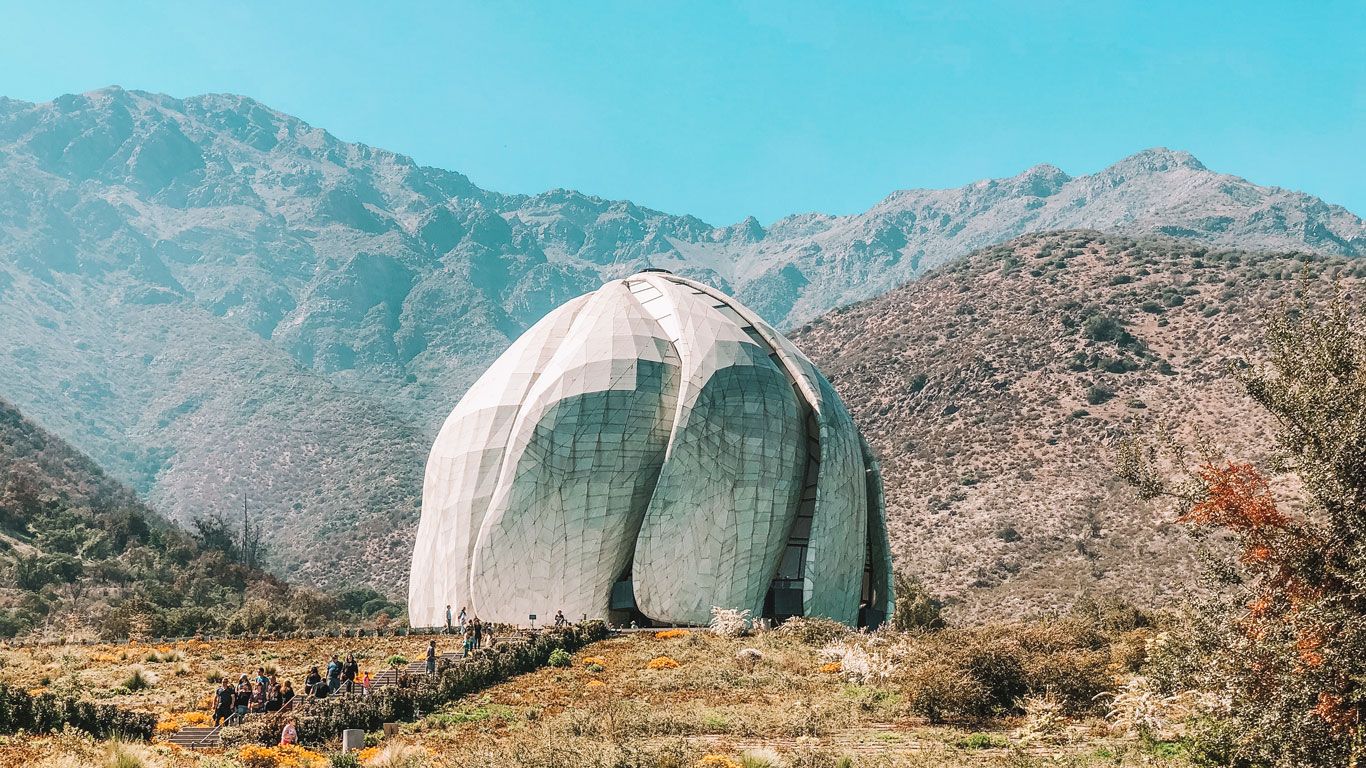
pixel 287 696
pixel 223 699
pixel 261 678
pixel 431 657
pixel 478 627
pixel 349 672
pixel 242 700
pixel 321 691
pixel 258 698
pixel 290 735
pixel 469 641
pixel 312 680
pixel 365 685
pixel 334 670
pixel 462 619
pixel 273 698
pixel 560 620
pixel 448 619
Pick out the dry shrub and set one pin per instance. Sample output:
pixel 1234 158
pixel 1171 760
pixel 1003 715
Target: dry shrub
pixel 813 631
pixel 730 622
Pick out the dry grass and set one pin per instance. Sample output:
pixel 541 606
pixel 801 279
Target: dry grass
pixel 185 674
pixel 612 707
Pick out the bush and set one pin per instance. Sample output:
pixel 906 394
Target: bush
pixel 915 607
pixel 729 622
pixel 560 658
pixel 46 713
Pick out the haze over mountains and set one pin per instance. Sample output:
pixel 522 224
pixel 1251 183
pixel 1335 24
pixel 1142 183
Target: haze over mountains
pixel 216 299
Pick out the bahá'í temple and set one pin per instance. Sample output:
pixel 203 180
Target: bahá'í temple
pixel 643 453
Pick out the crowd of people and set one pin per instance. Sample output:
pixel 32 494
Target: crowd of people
pixel 470 628
pixel 263 693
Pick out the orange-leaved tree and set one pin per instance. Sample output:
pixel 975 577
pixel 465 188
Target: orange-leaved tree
pixel 1282 638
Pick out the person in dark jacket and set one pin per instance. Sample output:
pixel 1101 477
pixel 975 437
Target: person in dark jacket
pixel 349 672
pixel 312 680
pixel 242 701
pixel 477 627
pixel 431 657
pixel 287 695
pixel 223 702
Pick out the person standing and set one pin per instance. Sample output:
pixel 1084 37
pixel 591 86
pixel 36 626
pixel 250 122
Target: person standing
pixel 290 735
pixel 462 620
pixel 365 684
pixel 478 627
pixel 287 695
pixel 334 669
pixel 431 657
pixel 448 619
pixel 223 699
pixel 242 700
pixel 349 671
pixel 312 681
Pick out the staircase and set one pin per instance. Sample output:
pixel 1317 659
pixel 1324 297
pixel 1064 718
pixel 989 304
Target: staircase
pixel 196 737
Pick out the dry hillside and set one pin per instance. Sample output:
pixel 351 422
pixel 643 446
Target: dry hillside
pixel 994 390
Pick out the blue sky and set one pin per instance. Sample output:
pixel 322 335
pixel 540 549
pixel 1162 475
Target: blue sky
pixel 729 109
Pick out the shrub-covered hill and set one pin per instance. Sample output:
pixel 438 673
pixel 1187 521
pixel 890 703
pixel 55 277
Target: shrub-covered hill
pixel 994 388
pixel 80 552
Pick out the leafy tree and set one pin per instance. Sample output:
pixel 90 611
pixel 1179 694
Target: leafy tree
pixel 1284 637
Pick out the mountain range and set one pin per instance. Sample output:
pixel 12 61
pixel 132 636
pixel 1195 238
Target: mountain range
pixel 225 305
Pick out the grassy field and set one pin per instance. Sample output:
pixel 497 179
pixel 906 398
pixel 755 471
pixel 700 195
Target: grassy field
pixel 687 698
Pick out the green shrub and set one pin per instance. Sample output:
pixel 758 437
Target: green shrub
pixel 46 713
pixel 560 658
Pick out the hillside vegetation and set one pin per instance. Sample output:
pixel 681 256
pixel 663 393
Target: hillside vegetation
pixel 993 391
pixel 81 555
pixel 218 301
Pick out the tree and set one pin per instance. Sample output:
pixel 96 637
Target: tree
pixel 1283 639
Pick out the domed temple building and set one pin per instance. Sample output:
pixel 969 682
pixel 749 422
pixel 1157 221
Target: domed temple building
pixel 644 453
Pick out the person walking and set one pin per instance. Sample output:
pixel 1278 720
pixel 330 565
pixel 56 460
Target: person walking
pixel 431 657
pixel 365 685
pixel 462 619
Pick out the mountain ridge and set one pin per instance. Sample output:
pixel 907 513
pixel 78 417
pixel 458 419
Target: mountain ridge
pixel 217 299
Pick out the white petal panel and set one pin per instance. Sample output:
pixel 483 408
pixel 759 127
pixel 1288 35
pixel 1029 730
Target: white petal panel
pixel 463 467
pixel 579 471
